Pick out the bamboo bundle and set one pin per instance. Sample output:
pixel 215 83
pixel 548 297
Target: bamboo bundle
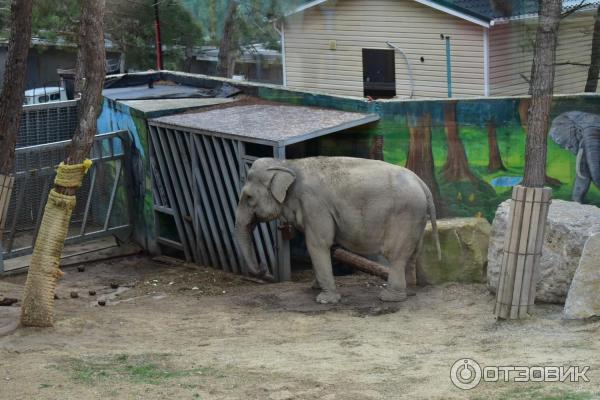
pixel 522 250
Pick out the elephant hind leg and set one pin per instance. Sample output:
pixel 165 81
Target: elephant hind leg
pixel 396 287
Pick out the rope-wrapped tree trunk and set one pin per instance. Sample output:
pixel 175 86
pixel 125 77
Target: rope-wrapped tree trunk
pixel 13 88
pixel 44 271
pixel 529 207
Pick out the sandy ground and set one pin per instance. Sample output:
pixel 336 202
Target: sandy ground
pixel 182 332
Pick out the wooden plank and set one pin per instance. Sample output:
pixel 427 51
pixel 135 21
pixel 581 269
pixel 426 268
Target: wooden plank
pixel 546 196
pixel 522 252
pixel 530 250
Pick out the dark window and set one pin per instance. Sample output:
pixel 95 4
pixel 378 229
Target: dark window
pixel 379 73
pixel 43 99
pixel 55 96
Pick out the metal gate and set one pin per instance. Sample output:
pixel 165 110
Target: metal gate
pixel 102 201
pixel 197 182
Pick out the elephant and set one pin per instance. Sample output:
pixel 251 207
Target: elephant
pixel 579 132
pixel 370 207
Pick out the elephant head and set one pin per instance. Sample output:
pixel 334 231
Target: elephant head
pixel 579 132
pixel 261 200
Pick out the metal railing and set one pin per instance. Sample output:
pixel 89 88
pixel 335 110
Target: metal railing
pixel 102 201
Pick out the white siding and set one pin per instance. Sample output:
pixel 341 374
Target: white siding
pixel 358 24
pixel 511 54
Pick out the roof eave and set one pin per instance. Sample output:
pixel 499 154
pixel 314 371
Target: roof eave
pixel 478 21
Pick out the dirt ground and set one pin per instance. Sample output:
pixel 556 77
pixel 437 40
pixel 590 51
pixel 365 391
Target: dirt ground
pixel 184 332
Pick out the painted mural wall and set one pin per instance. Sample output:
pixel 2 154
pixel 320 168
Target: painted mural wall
pixel 470 152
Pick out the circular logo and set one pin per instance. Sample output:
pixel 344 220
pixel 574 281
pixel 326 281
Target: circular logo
pixel 465 373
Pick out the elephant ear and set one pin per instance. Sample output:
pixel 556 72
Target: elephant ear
pixel 281 181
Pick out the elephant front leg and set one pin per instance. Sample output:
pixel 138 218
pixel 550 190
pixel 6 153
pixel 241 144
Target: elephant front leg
pixel 580 188
pixel 321 260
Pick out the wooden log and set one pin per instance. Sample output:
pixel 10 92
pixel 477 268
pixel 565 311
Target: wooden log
pixel 360 263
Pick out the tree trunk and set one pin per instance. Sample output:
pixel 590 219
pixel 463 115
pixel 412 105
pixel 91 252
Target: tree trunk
pixel 11 98
pixel 420 154
pixel 592 80
pixel 224 65
pixel 456 167
pixel 44 271
pixel 524 105
pixel 530 202
pixel 14 81
pixel 376 150
pixel 542 89
pixel 495 158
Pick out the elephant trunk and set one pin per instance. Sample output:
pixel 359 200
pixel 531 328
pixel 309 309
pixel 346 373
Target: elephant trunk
pixel 244 225
pixel 592 154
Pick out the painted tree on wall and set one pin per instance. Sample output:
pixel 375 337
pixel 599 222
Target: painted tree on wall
pixel 495 158
pixel 420 154
pixel 524 105
pixel 456 167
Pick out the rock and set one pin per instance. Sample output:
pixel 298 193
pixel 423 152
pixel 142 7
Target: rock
pixel 92 292
pixel 583 299
pixel 569 226
pixel 74 295
pixel 101 303
pixel 464 244
pixel 81 268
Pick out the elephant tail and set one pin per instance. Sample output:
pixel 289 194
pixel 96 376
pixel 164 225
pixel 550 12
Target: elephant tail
pixel 433 218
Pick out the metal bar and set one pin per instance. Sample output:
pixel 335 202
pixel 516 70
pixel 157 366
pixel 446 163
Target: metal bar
pixel 223 186
pixel 179 193
pixel 187 172
pixel 88 201
pixel 38 221
pixel 18 204
pixel 162 169
pixel 201 205
pixel 64 143
pixel 184 183
pixel 204 154
pixel 113 194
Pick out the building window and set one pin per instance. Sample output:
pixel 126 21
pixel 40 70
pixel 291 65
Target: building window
pixel 379 73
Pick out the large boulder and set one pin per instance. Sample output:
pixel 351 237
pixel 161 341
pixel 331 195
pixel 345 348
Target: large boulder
pixel 464 243
pixel 569 226
pixel 583 300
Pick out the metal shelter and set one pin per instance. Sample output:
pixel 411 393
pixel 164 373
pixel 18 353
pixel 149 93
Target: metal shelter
pixel 199 162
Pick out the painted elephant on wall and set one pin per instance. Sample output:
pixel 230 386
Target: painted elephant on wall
pixel 370 207
pixel 579 132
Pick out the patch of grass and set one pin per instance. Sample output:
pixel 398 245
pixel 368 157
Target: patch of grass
pixel 151 369
pixel 542 392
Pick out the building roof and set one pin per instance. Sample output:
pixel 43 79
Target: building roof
pixel 276 125
pixel 481 12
